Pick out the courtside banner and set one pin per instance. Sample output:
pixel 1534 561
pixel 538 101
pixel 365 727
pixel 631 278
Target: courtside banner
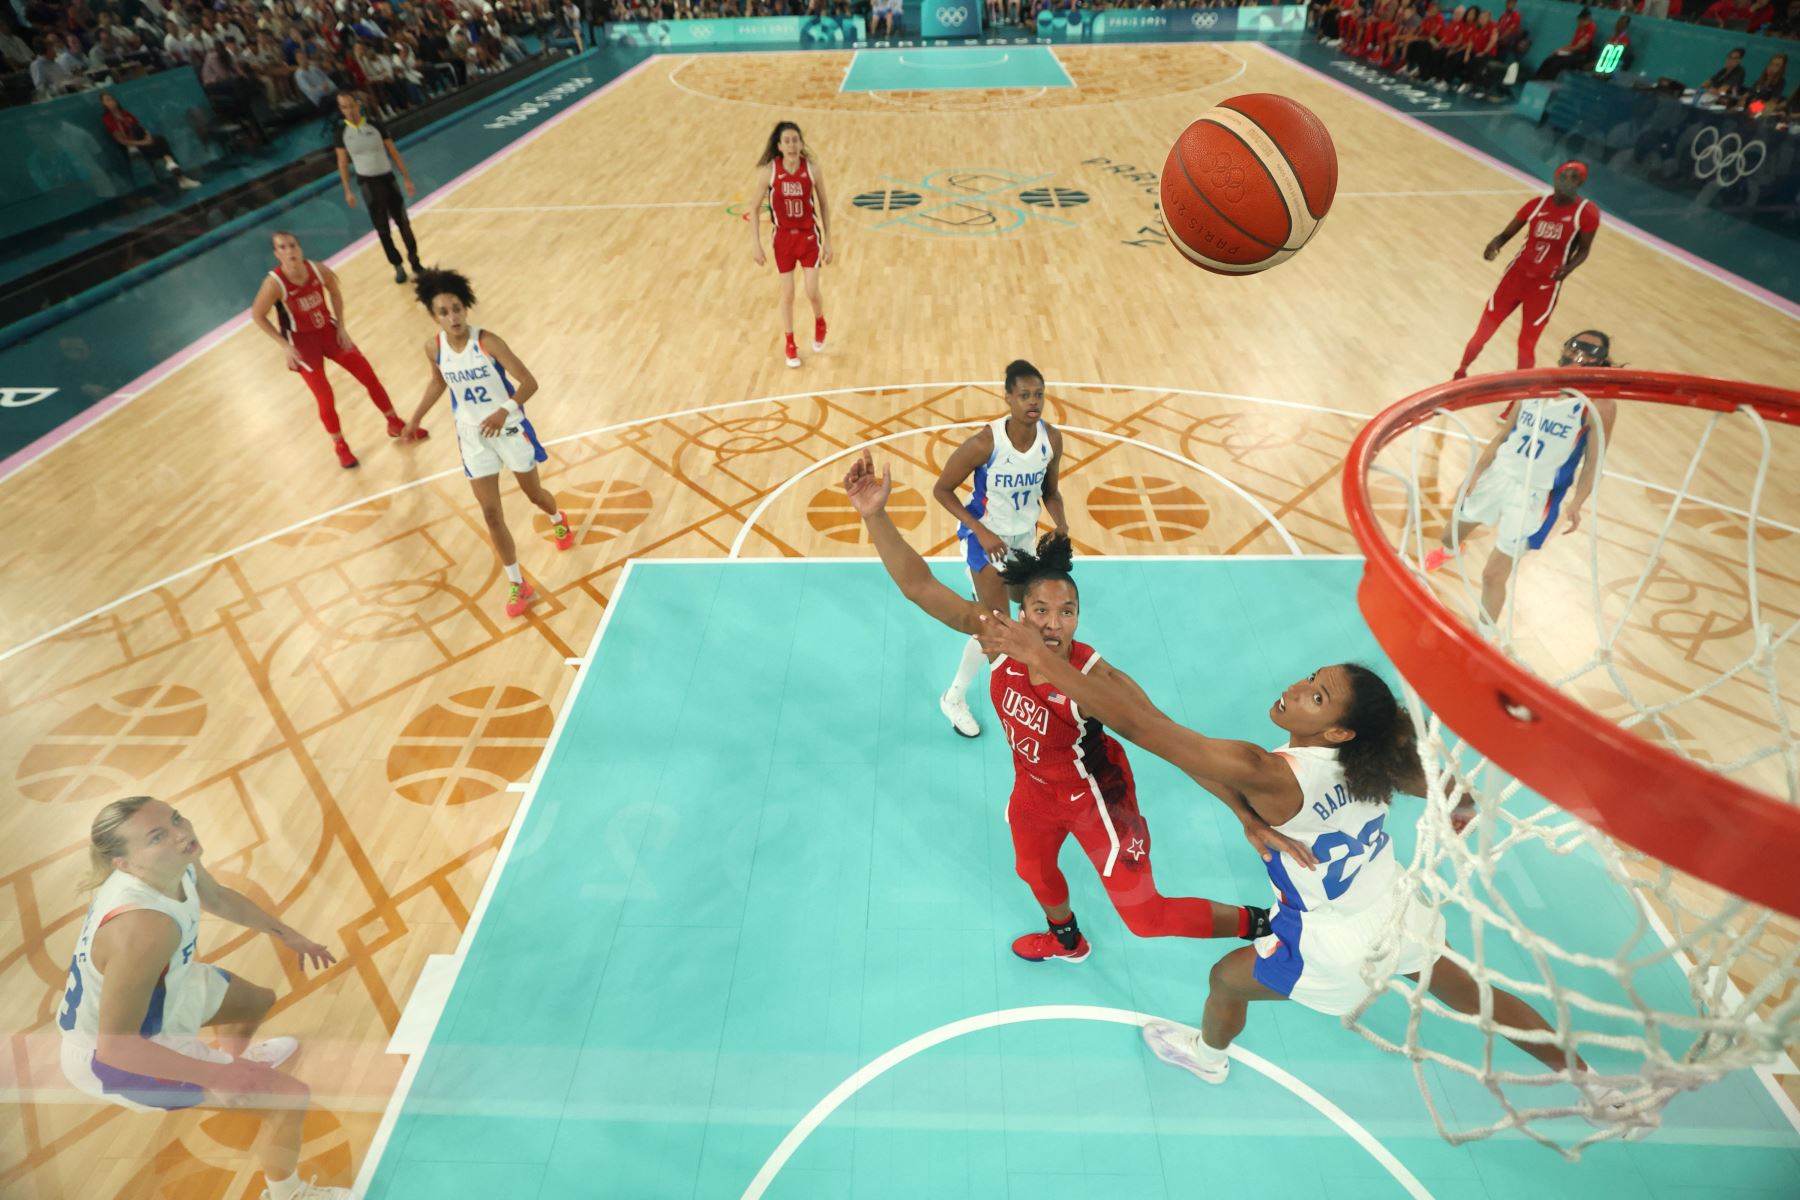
pixel 950 18
pixel 821 33
pixel 1170 24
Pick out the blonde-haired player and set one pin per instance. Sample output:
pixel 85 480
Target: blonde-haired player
pixel 138 995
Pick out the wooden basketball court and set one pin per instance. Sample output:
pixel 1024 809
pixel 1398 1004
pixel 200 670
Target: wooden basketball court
pixel 197 602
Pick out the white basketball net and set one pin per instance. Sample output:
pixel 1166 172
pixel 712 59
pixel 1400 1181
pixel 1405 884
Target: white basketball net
pixel 1704 983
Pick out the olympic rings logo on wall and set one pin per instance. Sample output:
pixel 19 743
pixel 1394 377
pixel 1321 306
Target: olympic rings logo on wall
pixel 953 16
pixel 1726 157
pixel 1205 19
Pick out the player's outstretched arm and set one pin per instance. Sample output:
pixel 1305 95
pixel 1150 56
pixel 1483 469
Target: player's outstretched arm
pixel 868 493
pixel 1266 782
pixel 229 904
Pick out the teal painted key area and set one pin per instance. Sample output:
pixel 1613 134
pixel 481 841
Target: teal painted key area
pixel 756 862
pixel 923 69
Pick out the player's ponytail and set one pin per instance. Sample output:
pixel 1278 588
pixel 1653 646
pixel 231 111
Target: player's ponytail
pixel 105 843
pixel 1052 561
pixel 1382 756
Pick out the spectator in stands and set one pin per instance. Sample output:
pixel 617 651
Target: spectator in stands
pixel 48 76
pixel 264 62
pixel 74 56
pixel 1578 53
pixel 1421 51
pixel 1727 81
pixel 884 10
pixel 14 50
pixel 1514 40
pixel 1622 39
pixel 130 133
pixel 314 84
pixel 1769 87
pixel 1759 16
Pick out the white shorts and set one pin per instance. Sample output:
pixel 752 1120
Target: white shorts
pixel 140 1093
pixel 976 558
pixel 1522 517
pixel 885 6
pixel 1317 959
pixel 516 449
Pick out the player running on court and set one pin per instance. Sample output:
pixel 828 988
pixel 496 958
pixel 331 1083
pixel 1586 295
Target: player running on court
pixel 1521 482
pixel 1350 747
pixel 1014 460
pixel 1069 776
pixel 1559 232
pixel 794 191
pixel 488 387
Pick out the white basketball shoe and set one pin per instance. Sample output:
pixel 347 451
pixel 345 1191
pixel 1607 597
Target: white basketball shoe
pixel 1180 1046
pixel 961 719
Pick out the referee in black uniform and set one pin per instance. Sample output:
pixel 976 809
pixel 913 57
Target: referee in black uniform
pixel 365 144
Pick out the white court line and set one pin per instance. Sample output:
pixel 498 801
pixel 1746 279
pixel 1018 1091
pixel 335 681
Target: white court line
pixel 879 1066
pixel 871 559
pixel 365 1177
pixel 723 405
pixel 442 208
pixel 737 543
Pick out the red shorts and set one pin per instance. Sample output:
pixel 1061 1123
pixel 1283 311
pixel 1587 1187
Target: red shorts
pixel 1111 831
pixel 793 246
pixel 314 346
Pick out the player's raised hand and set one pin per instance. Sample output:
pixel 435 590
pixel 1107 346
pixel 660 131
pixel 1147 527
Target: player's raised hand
pixel 1000 634
pixel 868 492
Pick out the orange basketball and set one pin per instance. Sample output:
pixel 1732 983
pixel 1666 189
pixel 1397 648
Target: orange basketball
pixel 1247 184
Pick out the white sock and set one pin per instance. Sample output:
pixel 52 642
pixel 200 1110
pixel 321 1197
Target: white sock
pixel 1208 1055
pixel 171 163
pixel 283 1189
pixel 973 663
pixel 513 573
pixel 556 518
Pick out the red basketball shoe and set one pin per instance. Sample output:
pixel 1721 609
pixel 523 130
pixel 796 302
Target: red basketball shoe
pixel 520 598
pixel 560 533
pixel 818 335
pixel 1042 946
pixel 793 352
pixel 343 452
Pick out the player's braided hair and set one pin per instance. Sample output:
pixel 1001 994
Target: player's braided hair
pixel 429 285
pixel 1382 756
pixel 1019 369
pixel 1054 556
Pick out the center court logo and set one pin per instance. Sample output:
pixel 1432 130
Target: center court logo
pixel 1727 158
pixel 973 202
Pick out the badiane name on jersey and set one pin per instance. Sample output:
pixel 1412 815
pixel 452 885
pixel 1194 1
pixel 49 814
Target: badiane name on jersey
pixel 1338 797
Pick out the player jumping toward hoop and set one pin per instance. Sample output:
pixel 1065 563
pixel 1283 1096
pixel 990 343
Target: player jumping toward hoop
pixel 1326 790
pixel 795 194
pixel 1014 460
pixel 1559 232
pixel 488 387
pixel 1520 482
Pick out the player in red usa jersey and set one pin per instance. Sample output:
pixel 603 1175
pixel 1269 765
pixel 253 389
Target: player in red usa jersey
pixel 788 181
pixel 1069 776
pixel 1559 232
pixel 313 331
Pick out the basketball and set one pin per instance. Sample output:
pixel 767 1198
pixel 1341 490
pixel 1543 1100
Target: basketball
pixel 1247 184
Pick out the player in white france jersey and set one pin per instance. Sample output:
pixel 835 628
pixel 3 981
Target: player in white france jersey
pixel 1013 463
pixel 137 994
pixel 1325 793
pixel 488 387
pixel 1522 481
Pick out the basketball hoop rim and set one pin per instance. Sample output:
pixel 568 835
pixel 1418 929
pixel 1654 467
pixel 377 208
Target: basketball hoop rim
pixel 1636 792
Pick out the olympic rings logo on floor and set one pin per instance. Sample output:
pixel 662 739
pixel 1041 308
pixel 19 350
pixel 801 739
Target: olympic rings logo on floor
pixel 1726 156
